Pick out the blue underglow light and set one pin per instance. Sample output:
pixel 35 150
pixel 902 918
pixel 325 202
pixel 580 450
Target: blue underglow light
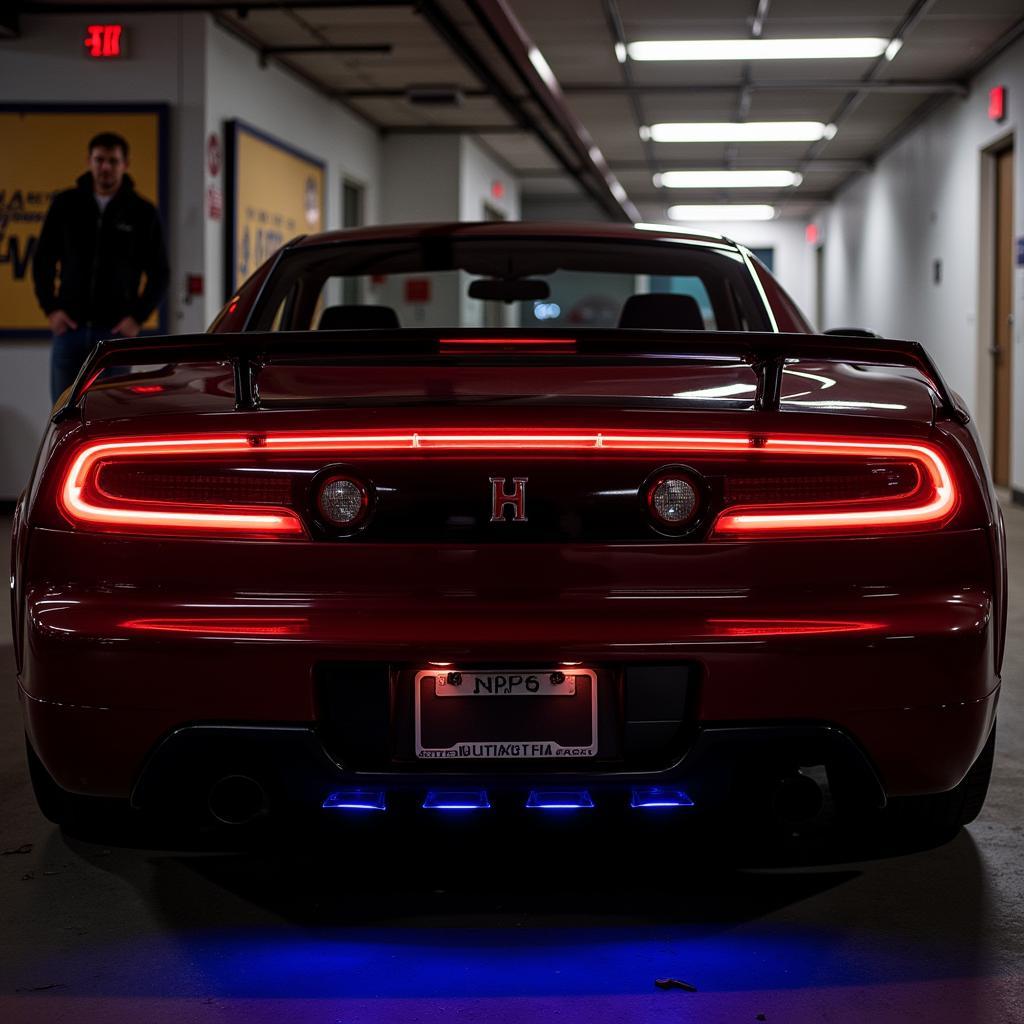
pixel 457 800
pixel 656 796
pixel 559 800
pixel 356 800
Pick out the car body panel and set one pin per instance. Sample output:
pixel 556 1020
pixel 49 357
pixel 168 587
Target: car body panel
pixel 894 640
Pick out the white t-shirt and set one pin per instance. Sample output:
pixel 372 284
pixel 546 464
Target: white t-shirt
pixel 102 201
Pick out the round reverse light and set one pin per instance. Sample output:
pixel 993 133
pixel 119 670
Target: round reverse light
pixel 343 501
pixel 673 501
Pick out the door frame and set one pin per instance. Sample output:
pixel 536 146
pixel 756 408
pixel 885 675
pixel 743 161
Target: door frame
pixel 984 403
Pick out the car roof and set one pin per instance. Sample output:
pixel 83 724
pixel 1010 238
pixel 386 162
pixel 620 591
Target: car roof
pixel 582 230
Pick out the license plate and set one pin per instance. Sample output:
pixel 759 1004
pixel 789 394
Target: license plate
pixel 548 713
pixel 506 683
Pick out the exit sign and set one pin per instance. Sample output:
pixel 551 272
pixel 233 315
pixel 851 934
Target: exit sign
pixel 104 41
pixel 997 103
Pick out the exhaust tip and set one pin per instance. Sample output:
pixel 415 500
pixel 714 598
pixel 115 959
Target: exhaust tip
pixel 797 799
pixel 237 799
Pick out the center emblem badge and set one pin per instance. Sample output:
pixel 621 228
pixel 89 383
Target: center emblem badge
pixel 501 499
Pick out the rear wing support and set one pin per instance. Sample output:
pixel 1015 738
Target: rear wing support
pixel 767 355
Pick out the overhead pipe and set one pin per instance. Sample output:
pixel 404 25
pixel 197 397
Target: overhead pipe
pixel 584 160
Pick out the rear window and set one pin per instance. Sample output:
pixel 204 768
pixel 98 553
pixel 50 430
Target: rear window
pixel 514 282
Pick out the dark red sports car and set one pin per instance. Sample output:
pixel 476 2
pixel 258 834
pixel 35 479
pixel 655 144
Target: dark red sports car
pixel 509 518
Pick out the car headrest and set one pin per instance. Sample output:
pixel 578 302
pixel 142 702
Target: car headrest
pixel 662 311
pixel 357 318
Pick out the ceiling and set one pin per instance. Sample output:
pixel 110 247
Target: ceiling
pixel 541 131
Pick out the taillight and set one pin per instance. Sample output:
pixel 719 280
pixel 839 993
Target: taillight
pixel 731 485
pixel 176 487
pixel 820 486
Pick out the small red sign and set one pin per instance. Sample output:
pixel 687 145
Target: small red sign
pixel 997 102
pixel 194 284
pixel 497 188
pixel 417 289
pixel 213 154
pixel 103 41
pixel 811 233
pixel 214 202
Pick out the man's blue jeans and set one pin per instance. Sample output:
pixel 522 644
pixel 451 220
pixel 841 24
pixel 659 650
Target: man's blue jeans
pixel 70 350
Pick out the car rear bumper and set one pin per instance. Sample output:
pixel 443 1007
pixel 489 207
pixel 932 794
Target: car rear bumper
pixel 886 642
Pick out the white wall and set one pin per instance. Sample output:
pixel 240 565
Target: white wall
pixel 441 178
pixel 276 102
pixel 923 202
pixel 479 170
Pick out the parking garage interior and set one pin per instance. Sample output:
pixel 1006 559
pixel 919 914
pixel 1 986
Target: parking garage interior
pixel 879 178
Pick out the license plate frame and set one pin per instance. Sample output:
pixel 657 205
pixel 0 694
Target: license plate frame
pixel 505 707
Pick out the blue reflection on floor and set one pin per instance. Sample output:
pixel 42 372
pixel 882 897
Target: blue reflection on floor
pixel 472 962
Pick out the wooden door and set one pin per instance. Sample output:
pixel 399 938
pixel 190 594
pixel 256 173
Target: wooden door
pixel 1002 338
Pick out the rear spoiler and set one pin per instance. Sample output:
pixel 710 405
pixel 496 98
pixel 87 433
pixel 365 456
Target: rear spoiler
pixel 767 354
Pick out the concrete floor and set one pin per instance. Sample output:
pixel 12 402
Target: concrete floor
pixel 96 934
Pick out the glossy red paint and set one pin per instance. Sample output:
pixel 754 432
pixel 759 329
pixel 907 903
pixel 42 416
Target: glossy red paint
pixel 218 625
pixel 790 627
pixel 895 638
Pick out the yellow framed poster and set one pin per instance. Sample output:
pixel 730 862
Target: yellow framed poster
pixel 276 192
pixel 42 152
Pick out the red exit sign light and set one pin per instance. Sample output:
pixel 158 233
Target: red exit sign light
pixel 104 41
pixel 997 103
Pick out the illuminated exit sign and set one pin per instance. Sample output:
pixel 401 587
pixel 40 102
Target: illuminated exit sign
pixel 104 41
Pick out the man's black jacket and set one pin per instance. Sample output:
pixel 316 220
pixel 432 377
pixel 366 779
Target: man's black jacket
pixel 102 257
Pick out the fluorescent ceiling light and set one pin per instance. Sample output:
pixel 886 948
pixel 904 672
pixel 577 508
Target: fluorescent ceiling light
pixel 738 131
pixel 745 211
pixel 893 48
pixel 757 49
pixel 621 53
pixel 727 179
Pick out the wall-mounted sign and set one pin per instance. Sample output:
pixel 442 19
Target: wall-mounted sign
pixel 417 289
pixel 214 155
pixel 275 193
pixel 214 202
pixel 104 41
pixel 997 102
pixel 44 151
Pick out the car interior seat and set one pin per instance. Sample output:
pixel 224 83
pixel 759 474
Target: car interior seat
pixel 357 318
pixel 662 311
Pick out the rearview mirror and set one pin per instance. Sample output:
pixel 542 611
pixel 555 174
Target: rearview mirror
pixel 504 290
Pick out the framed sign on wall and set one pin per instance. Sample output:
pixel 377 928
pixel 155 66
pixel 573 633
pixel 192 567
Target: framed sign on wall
pixel 275 192
pixel 43 149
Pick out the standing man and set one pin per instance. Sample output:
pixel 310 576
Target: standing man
pixel 103 236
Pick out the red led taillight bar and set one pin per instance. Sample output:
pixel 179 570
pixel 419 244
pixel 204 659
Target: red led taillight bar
pixel 930 504
pixel 935 505
pixel 82 505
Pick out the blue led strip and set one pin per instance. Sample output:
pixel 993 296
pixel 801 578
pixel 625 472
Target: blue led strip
pixel 656 796
pixel 356 800
pixel 559 800
pixel 457 800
